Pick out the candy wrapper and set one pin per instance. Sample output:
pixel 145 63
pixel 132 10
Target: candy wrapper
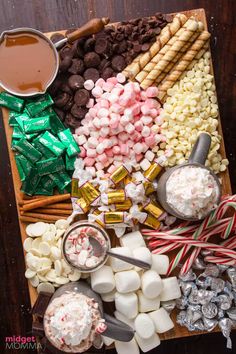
pixel 208 300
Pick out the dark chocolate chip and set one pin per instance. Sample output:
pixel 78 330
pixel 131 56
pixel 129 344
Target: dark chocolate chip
pixel 66 88
pixel 104 64
pixel 135 36
pixel 56 37
pixel 78 112
pixel 108 72
pixel 81 97
pixel 68 104
pixel 60 113
pixel 65 63
pixel 137 48
pixel 91 60
pixel 101 45
pixel 157 30
pixel 162 25
pixel 145 47
pixel 119 37
pixel 75 82
pixel 65 51
pixel 91 74
pixel 77 66
pixel 89 45
pixel 109 29
pixel 118 63
pixel 168 18
pixel 55 86
pixel 61 99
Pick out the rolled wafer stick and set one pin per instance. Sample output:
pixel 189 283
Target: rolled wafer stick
pixel 180 67
pixel 167 32
pixel 45 216
pixel 178 56
pixel 154 61
pixel 46 201
pixel 198 56
pixel 170 55
pixel 27 219
pixel 49 211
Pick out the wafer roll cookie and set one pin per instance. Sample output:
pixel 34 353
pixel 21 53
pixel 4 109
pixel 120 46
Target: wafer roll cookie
pixel 151 65
pixel 167 32
pixel 198 56
pixel 180 67
pixel 180 54
pixel 192 26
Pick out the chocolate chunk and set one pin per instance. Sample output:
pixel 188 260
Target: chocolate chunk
pixel 104 64
pixel 101 46
pixel 122 47
pixel 92 60
pixel 81 97
pixel 80 52
pixel 41 304
pixel 61 99
pixel 56 37
pixel 145 47
pixel 60 113
pixel 77 66
pixel 89 44
pixel 118 63
pixel 168 18
pixel 134 36
pixel 65 63
pixel 108 72
pixel 137 48
pixel 38 329
pixel 157 30
pixel 66 88
pixel 55 86
pixel 91 74
pixel 119 37
pixel 78 112
pixel 75 82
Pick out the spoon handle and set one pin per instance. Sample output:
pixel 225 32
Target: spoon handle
pixel 136 262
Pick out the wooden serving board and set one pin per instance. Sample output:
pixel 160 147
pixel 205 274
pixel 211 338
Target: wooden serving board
pixel 178 331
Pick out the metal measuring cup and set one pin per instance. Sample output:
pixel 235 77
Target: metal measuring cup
pixel 197 158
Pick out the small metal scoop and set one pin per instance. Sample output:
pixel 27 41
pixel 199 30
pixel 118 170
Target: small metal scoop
pixel 99 251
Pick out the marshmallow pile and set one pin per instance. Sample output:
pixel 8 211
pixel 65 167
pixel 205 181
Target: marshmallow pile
pixel 192 108
pixel 121 125
pixel 139 296
pixel 45 267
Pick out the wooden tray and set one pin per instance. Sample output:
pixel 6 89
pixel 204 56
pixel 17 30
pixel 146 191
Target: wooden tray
pixel 178 331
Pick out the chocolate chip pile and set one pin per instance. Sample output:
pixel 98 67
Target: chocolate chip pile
pixel 99 56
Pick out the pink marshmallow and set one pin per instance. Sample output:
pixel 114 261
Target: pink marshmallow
pixel 124 149
pixel 138 148
pixel 89 161
pixel 150 141
pixel 138 157
pixel 100 148
pixel 152 91
pixel 121 78
pixel 104 132
pixel 145 110
pixel 123 136
pixel 90 103
pixel 82 152
pixel 99 166
pixel 129 128
pixel 116 150
pixel 111 169
pixel 109 152
pixel 146 120
pixel 112 80
pixel 116 108
pixel 146 131
pixel 89 85
pixel 138 125
pixel 102 158
pixel 93 112
pixel 97 91
pixel 100 82
pixel 91 152
pixel 108 86
pixel 117 91
pixel 103 112
pixel 104 103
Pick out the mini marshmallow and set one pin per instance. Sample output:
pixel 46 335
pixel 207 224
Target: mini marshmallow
pixel 123 318
pixel 97 91
pixel 151 284
pixel 127 304
pixel 81 140
pixel 152 91
pixel 149 155
pixel 107 341
pixel 160 263
pixel 138 148
pixel 104 121
pixel 100 148
pixel 127 347
pixel 117 264
pixel 121 78
pixel 92 142
pixel 144 326
pixel 145 304
pixel 148 344
pixel 145 164
pixel 132 240
pixel 146 131
pixel 127 281
pixel 109 297
pixel 146 120
pixel 102 280
pixel 171 289
pixel 161 320
pixel 89 85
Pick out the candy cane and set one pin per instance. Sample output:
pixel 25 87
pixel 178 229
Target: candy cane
pixel 220 260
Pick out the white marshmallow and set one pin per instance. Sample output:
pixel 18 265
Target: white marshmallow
pixel 144 326
pixel 81 139
pixel 149 155
pixel 118 265
pixel 124 319
pixel 151 284
pixel 107 341
pixel 171 289
pixel 127 281
pixel 161 320
pixel 160 263
pixel 145 304
pixel 145 164
pixel 127 347
pixel 109 297
pixel 127 304
pixel 143 254
pixel 102 280
pixel 148 344
pixel 132 240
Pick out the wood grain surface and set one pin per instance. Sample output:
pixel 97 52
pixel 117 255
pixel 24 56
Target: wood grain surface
pixel 48 16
